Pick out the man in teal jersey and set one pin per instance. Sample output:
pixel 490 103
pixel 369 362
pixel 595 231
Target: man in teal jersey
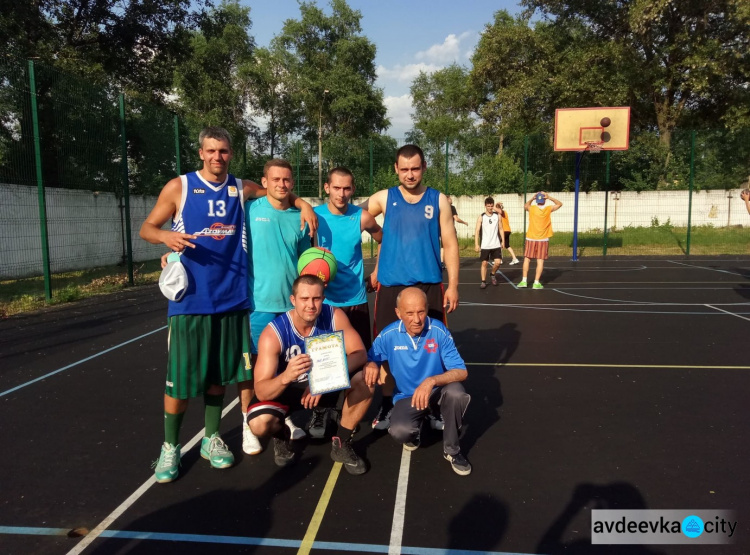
pixel 275 243
pixel 340 227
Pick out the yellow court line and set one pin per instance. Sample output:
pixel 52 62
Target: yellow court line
pixel 325 497
pixel 576 365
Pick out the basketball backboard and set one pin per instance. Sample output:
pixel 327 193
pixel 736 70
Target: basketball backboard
pixel 583 128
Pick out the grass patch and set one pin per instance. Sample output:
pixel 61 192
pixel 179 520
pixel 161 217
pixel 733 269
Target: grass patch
pixel 23 295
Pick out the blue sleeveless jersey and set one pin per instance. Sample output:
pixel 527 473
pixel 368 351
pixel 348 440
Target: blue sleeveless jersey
pixel 217 266
pixel 410 252
pixel 342 235
pixel 292 343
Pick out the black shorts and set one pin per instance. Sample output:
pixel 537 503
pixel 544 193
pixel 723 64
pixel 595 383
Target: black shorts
pixel 288 402
pixel 359 316
pixel 385 303
pixel 506 234
pixel 491 254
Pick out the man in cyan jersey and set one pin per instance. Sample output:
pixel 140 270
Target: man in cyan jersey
pixel 488 232
pixel 209 334
pixel 416 219
pixel 281 385
pixel 275 243
pixel 340 227
pixel 427 369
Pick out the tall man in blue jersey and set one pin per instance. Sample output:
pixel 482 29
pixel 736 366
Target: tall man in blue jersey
pixel 427 369
pixel 275 243
pixel 281 385
pixel 208 327
pixel 416 219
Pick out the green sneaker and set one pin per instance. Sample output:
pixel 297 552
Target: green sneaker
pixel 214 450
pixel 166 468
pixel 522 284
pixel 538 285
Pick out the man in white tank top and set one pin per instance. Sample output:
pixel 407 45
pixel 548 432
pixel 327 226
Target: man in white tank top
pixel 492 241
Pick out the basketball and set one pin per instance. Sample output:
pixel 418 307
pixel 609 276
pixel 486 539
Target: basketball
pixel 318 261
pixel 605 122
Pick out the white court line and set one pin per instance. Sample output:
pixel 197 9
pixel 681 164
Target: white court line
pixel 399 509
pixel 506 278
pixel 727 312
pixel 705 268
pixel 100 353
pixel 137 494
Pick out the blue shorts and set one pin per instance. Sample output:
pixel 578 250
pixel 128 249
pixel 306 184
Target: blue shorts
pixel 258 322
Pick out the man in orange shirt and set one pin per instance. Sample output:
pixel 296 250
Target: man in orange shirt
pixel 538 234
pixel 506 230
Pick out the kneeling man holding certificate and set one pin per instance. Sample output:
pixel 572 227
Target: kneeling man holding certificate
pixel 304 357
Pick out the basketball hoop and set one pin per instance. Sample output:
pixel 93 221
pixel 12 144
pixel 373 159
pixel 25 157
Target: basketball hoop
pixel 594 146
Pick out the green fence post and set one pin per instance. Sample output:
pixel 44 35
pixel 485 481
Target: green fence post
pixel 606 200
pixel 525 176
pixel 446 166
pixel 690 194
pixel 126 190
pixel 369 194
pixel 298 164
pixel 40 185
pixel 177 143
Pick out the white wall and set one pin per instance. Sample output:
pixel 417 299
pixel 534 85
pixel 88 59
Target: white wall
pixel 84 228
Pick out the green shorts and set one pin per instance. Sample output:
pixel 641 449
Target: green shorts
pixel 206 350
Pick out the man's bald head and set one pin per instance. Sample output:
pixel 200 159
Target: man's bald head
pixel 411 294
pixel 411 308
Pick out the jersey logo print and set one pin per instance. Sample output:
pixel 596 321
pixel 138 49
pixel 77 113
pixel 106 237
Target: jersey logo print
pixel 431 346
pixel 217 231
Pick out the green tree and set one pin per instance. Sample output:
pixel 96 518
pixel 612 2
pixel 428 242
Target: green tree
pixel 329 53
pixel 208 84
pixel 678 57
pixel 272 91
pixel 133 44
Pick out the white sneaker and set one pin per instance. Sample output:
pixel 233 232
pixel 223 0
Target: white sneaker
pixel 296 433
pixel 250 444
pixel 514 261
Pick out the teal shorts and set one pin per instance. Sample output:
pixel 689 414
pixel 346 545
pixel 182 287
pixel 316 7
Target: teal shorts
pixel 258 322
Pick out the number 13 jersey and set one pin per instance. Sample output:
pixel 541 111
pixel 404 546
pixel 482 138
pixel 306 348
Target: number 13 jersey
pixel 217 266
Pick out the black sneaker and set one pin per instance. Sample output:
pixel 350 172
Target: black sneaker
pixel 282 452
pixel 459 463
pixel 413 445
pixel 344 453
pixel 317 425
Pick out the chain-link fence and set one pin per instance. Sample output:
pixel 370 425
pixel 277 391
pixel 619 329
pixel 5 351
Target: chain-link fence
pixel 81 165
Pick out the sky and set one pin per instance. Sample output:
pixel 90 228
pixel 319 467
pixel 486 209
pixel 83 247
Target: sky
pixel 410 36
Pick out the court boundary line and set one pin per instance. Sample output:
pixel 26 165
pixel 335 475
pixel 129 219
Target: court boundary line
pixel 100 528
pixel 704 268
pixel 247 540
pixel 622 366
pixel 727 312
pixel 104 352
pixel 399 506
pixel 308 540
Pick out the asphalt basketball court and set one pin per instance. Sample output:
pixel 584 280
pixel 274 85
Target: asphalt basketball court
pixel 623 384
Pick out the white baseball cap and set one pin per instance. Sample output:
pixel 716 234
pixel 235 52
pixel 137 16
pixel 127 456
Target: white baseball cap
pixel 173 281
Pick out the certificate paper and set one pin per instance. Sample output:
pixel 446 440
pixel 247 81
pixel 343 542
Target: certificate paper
pixel 329 370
